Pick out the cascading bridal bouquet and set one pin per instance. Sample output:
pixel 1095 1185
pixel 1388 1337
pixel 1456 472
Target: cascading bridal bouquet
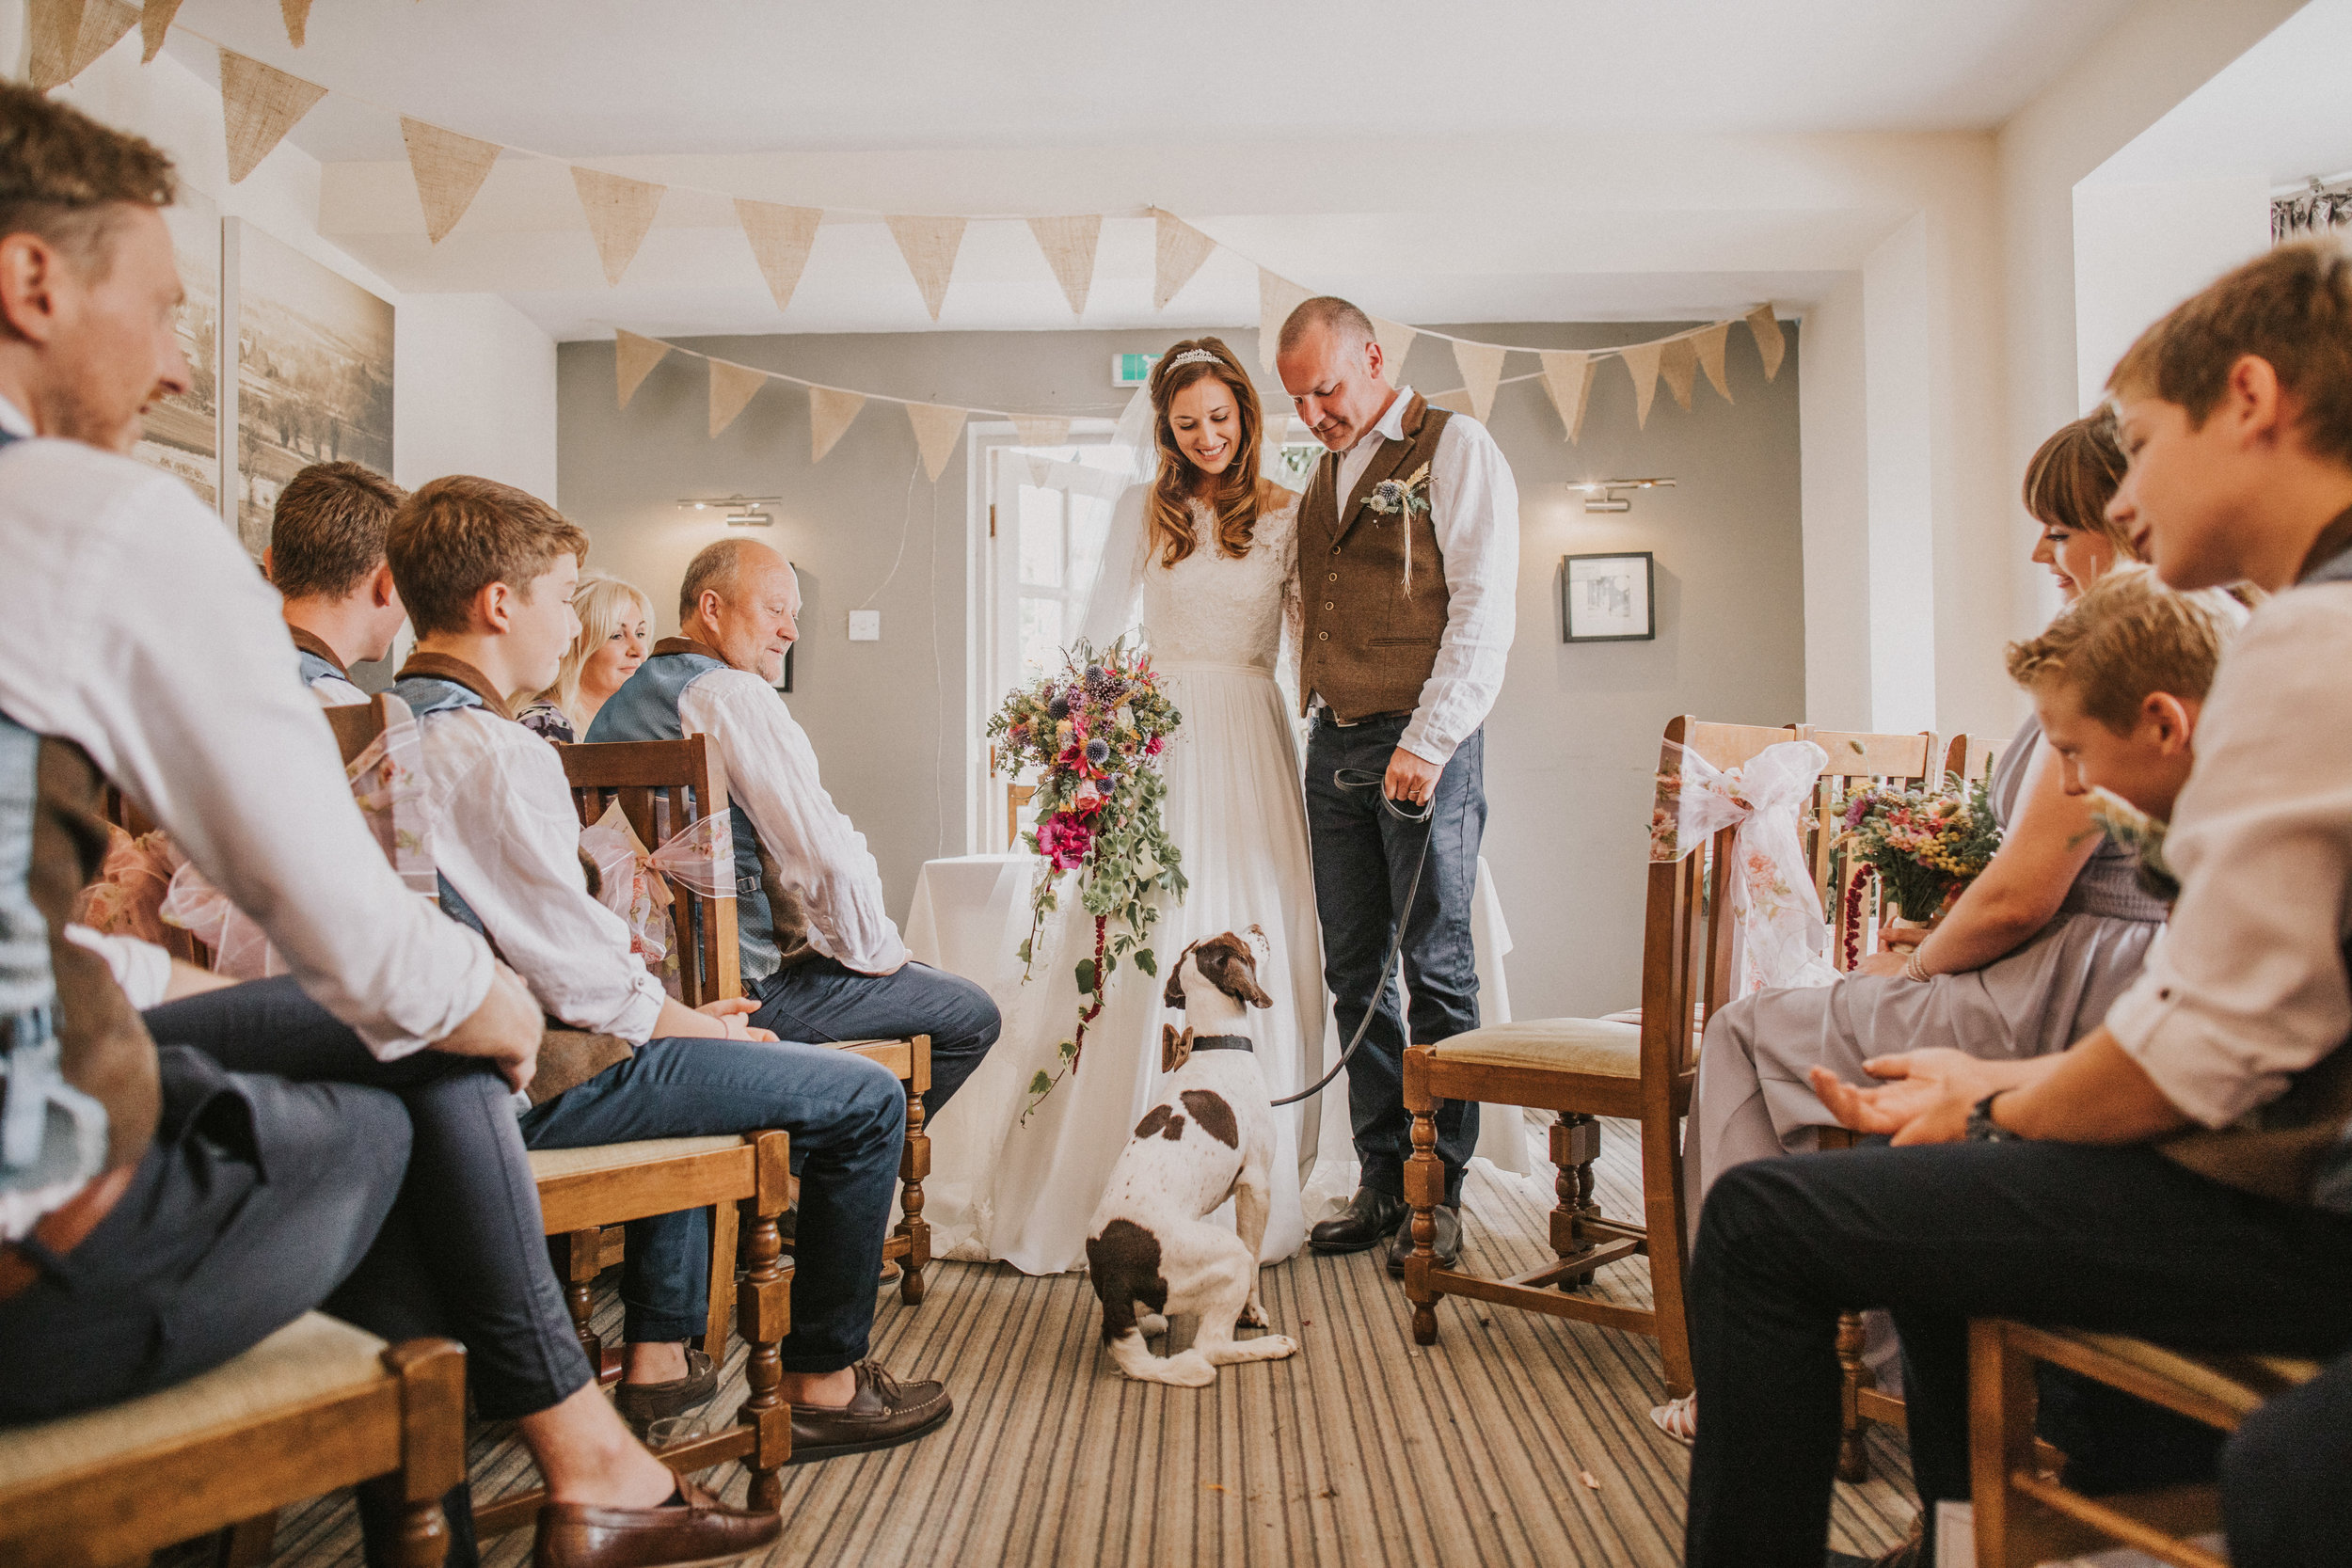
pixel 1925 846
pixel 1094 733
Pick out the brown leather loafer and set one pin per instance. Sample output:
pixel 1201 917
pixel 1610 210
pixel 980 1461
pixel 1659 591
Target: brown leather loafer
pixel 700 1533
pixel 641 1405
pixel 883 1414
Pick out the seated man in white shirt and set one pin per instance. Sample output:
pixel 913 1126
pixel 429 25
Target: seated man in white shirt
pixel 488 573
pixel 2185 1171
pixel 818 952
pixel 325 557
pixel 169 1214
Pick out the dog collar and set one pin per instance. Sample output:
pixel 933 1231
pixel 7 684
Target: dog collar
pixel 1222 1043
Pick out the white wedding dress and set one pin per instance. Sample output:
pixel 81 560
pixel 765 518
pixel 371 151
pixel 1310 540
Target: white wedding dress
pixel 1022 1190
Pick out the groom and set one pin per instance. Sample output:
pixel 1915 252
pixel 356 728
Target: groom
pixel 1409 589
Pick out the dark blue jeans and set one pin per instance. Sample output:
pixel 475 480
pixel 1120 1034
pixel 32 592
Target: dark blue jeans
pixel 820 1001
pixel 848 1121
pixel 2120 1240
pixel 1363 857
pixel 2282 1495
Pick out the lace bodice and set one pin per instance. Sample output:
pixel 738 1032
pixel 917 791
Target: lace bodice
pixel 1209 608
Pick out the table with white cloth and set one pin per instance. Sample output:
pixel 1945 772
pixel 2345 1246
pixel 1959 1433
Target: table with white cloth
pixel 971 914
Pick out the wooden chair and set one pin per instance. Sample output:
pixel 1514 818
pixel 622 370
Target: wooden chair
pixel 2025 1515
pixel 1584 1069
pixel 1017 798
pixel 317 1406
pixel 1860 760
pixel 664 785
pixel 583 1192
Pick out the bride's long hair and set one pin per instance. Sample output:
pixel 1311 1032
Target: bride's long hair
pixel 1238 499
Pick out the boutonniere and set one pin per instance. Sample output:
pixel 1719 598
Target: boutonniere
pixel 2126 825
pixel 1402 500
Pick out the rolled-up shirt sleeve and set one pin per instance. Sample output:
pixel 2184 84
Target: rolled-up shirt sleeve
pixel 771 773
pixel 2247 985
pixel 505 837
pixel 1475 512
pixel 143 634
pixel 142 969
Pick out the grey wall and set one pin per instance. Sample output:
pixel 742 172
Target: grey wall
pixel 1573 739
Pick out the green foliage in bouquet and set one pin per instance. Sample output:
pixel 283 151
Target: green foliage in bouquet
pixel 2133 828
pixel 1094 733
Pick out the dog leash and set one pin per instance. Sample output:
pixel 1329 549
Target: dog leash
pixel 1357 778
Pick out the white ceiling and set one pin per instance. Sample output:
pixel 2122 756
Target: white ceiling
pixel 1459 161
pixel 2278 111
pixel 586 78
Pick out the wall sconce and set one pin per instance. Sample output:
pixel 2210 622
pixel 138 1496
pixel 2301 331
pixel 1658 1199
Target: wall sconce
pixel 742 511
pixel 1600 495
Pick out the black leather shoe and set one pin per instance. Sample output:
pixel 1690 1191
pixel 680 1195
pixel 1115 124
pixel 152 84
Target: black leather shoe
pixel 1448 1240
pixel 1369 1219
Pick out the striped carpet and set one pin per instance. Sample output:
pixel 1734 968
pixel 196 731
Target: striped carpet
pixel 1364 1448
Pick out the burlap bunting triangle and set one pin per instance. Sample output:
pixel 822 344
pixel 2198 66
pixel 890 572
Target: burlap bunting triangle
pixel 1041 472
pixel 1481 369
pixel 632 356
pixel 1456 400
pixel 620 211
pixel 1770 341
pixel 929 246
pixel 1040 430
pixel 259 105
pixel 732 387
pixel 780 237
pixel 1178 251
pixel 1069 246
pixel 154 23
pixel 936 428
pixel 1569 380
pixel 1277 298
pixel 66 36
pixel 830 411
pixel 1641 362
pixel 448 168
pixel 1396 341
pixel 1678 362
pixel 1709 345
pixel 297 17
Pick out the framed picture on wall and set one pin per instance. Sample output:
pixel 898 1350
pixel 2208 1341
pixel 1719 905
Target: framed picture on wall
pixel 1609 598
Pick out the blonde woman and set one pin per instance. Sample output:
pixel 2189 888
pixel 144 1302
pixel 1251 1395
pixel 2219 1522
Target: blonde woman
pixel 615 632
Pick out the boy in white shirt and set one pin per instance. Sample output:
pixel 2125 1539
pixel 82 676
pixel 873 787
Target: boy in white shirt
pixel 488 572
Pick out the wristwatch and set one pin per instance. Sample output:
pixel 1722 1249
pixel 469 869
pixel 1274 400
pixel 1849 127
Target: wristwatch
pixel 1982 1129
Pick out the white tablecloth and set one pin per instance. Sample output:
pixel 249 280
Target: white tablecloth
pixel 971 913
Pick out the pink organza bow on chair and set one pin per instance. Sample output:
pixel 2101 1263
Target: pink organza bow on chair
pixel 388 782
pixel 1782 937
pixel 700 856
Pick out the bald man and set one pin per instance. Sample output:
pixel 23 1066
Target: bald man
pixel 819 954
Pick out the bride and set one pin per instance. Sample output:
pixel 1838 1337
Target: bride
pixel 1200 557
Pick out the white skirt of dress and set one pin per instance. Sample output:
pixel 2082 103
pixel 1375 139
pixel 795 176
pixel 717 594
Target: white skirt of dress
pixel 1023 1188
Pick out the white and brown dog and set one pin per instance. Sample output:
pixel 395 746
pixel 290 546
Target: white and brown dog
pixel 1212 1138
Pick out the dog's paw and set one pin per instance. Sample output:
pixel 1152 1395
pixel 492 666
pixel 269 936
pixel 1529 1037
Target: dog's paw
pixel 1151 1325
pixel 1275 1347
pixel 1191 1369
pixel 1252 1316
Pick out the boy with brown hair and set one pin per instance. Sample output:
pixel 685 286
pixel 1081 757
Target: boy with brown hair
pixel 2185 1171
pixel 326 558
pixel 487 572
pixel 2118 681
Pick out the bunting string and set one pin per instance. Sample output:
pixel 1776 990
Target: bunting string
pixel 261 103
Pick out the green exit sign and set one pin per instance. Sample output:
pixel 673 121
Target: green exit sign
pixel 1132 369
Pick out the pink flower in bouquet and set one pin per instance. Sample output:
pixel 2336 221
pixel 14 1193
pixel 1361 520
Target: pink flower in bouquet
pixel 1088 799
pixel 1153 750
pixel 1064 840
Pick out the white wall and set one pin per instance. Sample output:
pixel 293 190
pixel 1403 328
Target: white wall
pixel 2140 250
pixel 473 378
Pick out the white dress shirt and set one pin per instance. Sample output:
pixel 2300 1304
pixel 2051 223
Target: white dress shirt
pixel 335 692
pixel 1475 508
pixel 2245 985
pixel 771 773
pixel 504 834
pixel 131 624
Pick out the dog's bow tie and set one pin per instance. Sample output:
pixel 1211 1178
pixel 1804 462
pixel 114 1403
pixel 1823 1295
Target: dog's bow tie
pixel 1222 1043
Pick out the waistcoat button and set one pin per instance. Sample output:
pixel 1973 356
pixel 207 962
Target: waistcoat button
pixel 1335 577
pixel 1335 549
pixel 1323 637
pixel 1327 605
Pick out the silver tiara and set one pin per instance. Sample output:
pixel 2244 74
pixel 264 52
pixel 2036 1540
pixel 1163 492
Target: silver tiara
pixel 1197 357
